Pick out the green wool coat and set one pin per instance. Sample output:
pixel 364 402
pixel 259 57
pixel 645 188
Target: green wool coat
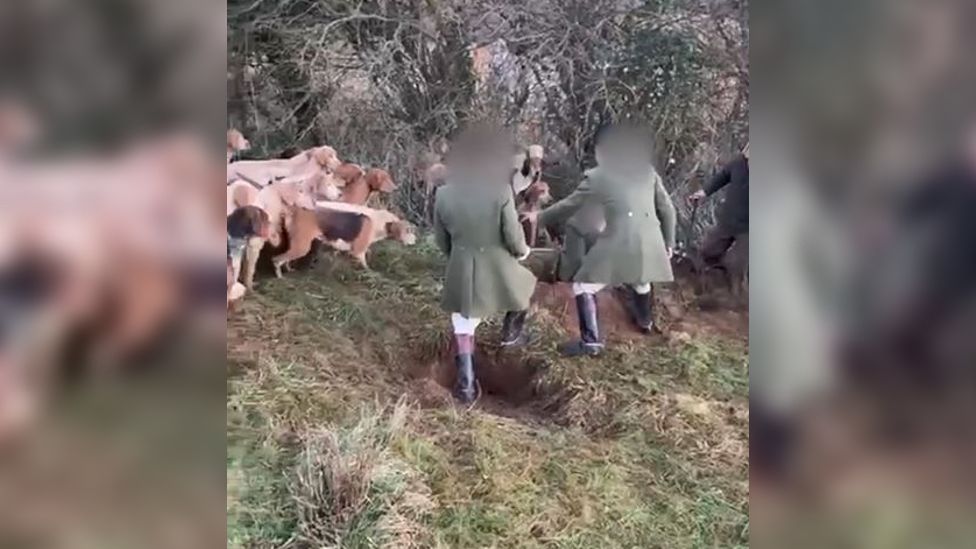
pixel 577 240
pixel 477 226
pixel 640 225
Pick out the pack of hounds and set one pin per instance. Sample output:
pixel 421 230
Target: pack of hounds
pixel 313 195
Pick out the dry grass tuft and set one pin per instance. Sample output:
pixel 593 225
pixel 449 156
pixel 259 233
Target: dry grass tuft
pixel 350 490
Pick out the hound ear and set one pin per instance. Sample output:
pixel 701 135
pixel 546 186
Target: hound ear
pixel 248 221
pixel 260 222
pixel 238 223
pixel 372 179
pixel 379 180
pixel 236 140
pixel 394 229
pixel 324 155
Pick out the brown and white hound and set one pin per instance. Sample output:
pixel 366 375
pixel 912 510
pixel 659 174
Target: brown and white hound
pixel 532 199
pixel 345 227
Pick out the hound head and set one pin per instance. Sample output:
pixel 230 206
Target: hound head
pixel 236 141
pixel 249 221
pixel 323 186
pixel 348 173
pixel 326 157
pixel 538 193
pixel 402 232
pixel 380 181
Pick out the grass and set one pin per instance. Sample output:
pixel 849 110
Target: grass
pixel 336 439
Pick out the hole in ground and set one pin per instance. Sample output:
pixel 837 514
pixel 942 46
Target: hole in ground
pixel 510 379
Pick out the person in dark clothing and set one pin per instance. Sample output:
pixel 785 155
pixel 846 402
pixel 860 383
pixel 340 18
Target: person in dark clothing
pixel 733 214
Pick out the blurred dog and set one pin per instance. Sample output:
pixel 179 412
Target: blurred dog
pixel 98 256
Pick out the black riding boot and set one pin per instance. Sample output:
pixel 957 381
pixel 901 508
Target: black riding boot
pixel 589 343
pixel 464 388
pixel 513 328
pixel 638 306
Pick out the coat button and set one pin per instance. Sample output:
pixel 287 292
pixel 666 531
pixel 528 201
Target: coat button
pixel 630 214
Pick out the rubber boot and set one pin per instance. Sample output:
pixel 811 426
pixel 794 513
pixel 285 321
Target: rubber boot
pixel 465 387
pixel 513 328
pixel 589 343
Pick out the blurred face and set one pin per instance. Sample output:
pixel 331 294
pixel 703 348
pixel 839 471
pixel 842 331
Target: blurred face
pixel 622 150
pixel 485 154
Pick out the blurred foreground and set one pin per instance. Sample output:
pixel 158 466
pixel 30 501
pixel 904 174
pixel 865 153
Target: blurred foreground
pixel 111 320
pixel 863 260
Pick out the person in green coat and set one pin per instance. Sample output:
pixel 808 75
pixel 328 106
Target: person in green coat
pixel 477 227
pixel 635 247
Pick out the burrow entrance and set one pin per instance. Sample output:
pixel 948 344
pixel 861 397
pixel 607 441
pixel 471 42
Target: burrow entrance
pixel 512 381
